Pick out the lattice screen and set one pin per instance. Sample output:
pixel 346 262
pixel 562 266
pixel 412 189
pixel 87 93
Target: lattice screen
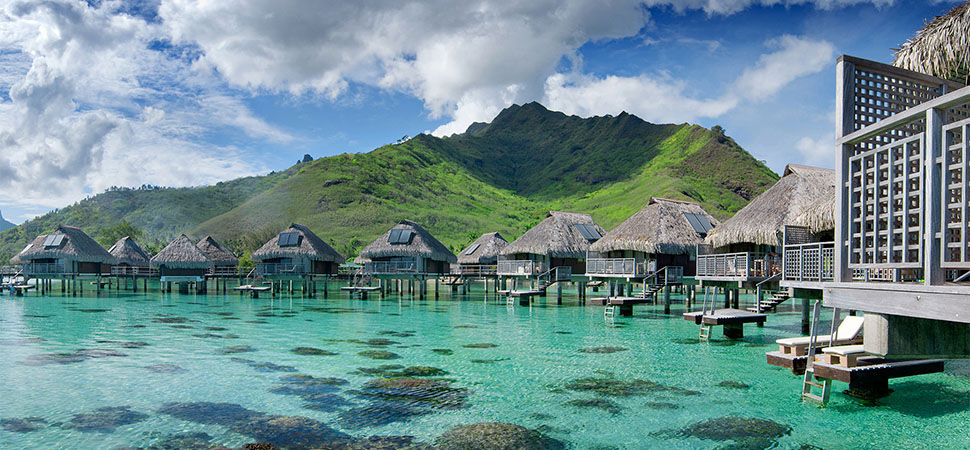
pixel 955 202
pixel 886 205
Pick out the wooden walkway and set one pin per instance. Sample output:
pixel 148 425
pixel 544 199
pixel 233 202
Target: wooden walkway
pixel 870 379
pixel 732 319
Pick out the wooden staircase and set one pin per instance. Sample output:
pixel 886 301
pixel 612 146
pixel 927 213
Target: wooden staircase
pixel 651 290
pixel 771 303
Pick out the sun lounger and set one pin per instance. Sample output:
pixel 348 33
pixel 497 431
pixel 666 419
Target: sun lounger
pixel 843 355
pixel 849 332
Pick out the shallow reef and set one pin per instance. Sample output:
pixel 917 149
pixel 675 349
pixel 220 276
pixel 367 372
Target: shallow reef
pixel 301 384
pixel 185 441
pixel 22 424
pixel 600 403
pixel 661 405
pixel 165 368
pixel 733 384
pixel 262 366
pixel 622 387
pixel 375 342
pixel 602 349
pixel 312 351
pixel 443 351
pixel 482 345
pixel 236 349
pixel 69 358
pixel 495 435
pixel 397 370
pixel 379 354
pixel 745 432
pixel 104 419
pixel 431 393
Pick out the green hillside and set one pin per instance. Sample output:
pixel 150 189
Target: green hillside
pixel 500 176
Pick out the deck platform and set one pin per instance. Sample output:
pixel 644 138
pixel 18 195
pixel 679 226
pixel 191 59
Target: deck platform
pixel 732 319
pixel 795 363
pixel 253 290
pixel 625 303
pixel 524 295
pixel 362 290
pixel 870 378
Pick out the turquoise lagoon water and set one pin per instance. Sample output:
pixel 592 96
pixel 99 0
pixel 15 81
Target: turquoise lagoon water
pixel 62 358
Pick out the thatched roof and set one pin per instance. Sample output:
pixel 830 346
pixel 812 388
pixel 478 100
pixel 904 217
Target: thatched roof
pixel 217 254
pixel 309 246
pixel 762 220
pixel 129 252
pixel 76 245
pixel 486 249
pixel 556 236
pixel 660 227
pixel 819 216
pixel 181 254
pixel 941 48
pixel 423 245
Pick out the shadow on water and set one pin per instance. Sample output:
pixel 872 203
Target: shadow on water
pixel 925 399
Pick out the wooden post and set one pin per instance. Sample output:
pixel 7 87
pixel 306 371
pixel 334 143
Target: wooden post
pixel 559 293
pixel 666 299
pixel 932 272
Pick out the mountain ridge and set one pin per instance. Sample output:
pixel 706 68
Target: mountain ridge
pixel 497 176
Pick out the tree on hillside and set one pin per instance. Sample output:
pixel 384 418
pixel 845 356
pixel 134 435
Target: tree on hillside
pixel 110 235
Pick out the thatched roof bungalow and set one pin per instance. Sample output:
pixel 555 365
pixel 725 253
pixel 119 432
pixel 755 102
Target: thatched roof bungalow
pixel 664 233
pixel 941 48
pixel 222 260
pixel 561 239
pixel 297 251
pixel 129 253
pixel 761 223
pixel 407 248
pixel 65 251
pixel 484 250
pixel 181 258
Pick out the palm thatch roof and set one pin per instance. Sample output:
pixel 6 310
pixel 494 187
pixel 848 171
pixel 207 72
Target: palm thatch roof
pixel 660 227
pixel 941 48
pixel 309 245
pixel 818 217
pixel 75 245
pixel 484 250
pixel 762 220
pixel 181 254
pixel 217 254
pixel 556 236
pixel 422 245
pixel 129 252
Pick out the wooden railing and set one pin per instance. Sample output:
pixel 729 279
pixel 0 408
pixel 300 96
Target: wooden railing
pixel 903 173
pixel 630 267
pixel 133 271
pixel 391 267
pixel 280 269
pixel 224 271
pixel 520 267
pixel 44 269
pixel 809 262
pixel 738 265
pixel 474 270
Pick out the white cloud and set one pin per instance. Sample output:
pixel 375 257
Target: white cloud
pixel 817 151
pixel 91 106
pixel 661 98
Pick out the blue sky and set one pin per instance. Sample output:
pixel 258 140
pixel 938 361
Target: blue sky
pixel 176 92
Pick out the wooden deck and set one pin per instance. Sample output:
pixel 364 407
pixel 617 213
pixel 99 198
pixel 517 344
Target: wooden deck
pixel 732 319
pixel 625 303
pixel 524 295
pixel 788 361
pixel 253 290
pixel 870 379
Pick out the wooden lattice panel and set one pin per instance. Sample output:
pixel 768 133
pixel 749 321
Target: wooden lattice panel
pixel 886 206
pixel 955 203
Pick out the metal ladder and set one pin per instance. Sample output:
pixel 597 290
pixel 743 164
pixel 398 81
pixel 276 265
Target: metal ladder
pixel 705 332
pixel 810 381
pixel 609 311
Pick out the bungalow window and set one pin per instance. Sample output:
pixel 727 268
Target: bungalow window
pixel 700 223
pixel 53 241
pixel 589 232
pixel 472 248
pixel 289 239
pixel 400 236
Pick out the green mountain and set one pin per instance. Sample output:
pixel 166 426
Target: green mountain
pixel 500 176
pixel 4 225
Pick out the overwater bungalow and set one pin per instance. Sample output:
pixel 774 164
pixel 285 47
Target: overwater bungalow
pixel 131 258
pixel 407 248
pixel 901 211
pixel 561 241
pixel 223 262
pixel 67 254
pixel 182 262
pixel 296 251
pixel 665 233
pixel 746 249
pixel 480 257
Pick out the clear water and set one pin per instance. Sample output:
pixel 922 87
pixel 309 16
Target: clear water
pixel 526 381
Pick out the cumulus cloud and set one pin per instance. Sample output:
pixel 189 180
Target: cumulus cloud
pixel 663 98
pixel 90 105
pixel 817 151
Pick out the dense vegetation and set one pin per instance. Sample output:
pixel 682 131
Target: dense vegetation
pixel 502 176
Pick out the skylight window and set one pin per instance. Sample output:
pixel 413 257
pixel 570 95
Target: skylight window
pixel 53 240
pixel 289 239
pixel 472 248
pixel 589 232
pixel 699 222
pixel 400 236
